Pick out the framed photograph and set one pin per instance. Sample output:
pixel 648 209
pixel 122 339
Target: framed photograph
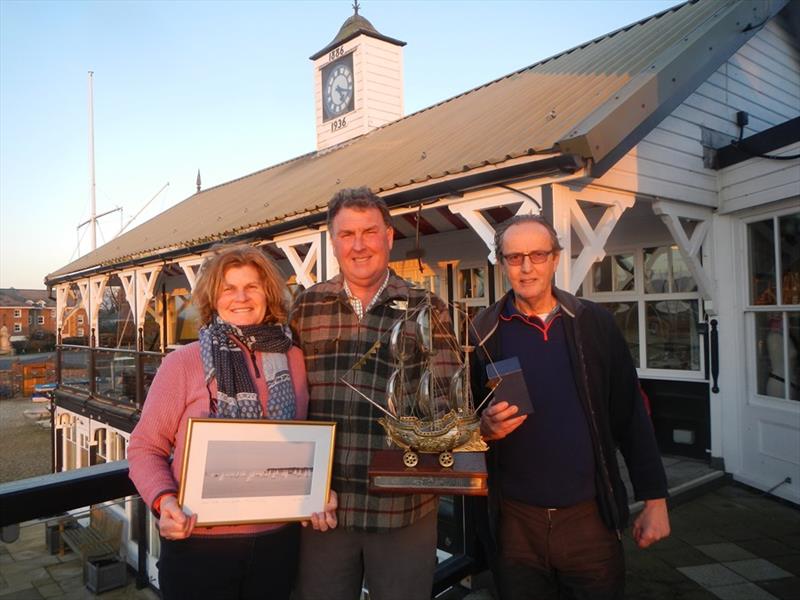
pixel 246 471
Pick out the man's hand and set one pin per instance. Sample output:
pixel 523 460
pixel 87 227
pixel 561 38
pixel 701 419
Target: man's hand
pixel 652 524
pixel 326 520
pixel 174 524
pixel 498 420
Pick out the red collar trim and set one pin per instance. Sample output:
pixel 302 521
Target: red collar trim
pixel 534 322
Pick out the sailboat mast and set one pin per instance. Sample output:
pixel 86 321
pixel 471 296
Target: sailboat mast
pixel 93 218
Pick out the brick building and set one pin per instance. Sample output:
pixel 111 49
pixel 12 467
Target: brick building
pixel 25 312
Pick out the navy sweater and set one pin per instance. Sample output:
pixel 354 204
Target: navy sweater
pixel 537 467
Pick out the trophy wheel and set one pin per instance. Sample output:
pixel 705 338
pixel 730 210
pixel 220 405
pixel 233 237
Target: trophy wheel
pixel 446 459
pixel 410 458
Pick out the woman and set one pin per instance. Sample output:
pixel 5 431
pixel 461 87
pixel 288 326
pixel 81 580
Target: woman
pixel 236 370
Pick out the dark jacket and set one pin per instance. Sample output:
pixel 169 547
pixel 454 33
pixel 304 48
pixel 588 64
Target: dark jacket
pixel 608 388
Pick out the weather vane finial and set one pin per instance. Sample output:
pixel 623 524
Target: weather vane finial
pixel 356 6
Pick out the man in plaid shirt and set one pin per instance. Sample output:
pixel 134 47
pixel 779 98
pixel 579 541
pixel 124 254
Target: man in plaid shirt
pixel 387 539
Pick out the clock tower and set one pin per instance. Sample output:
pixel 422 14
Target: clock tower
pixel 358 82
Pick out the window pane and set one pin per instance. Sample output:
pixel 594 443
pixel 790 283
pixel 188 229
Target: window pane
pixel 790 258
pixel 671 336
pixel 627 319
pixel 665 271
pixel 614 273
pixel 656 270
pixel 794 365
pixel 472 283
pixel 601 275
pixel 682 280
pixel 769 354
pixel 623 272
pixel 762 262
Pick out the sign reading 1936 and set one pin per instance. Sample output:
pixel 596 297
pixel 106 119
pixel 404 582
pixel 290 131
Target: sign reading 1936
pixel 338 124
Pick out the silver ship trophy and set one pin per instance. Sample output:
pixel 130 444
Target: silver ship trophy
pixel 428 411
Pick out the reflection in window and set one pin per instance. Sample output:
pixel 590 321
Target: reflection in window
pixel 666 272
pixel 790 258
pixel 671 335
pixel 615 273
pixel 777 332
pixel 762 262
pixel 100 441
pixel 626 315
pixel 116 328
pixel 472 283
pixel 417 272
pixel 776 374
pixel 186 319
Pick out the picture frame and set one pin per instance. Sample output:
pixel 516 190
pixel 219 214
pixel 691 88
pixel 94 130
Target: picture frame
pixel 238 471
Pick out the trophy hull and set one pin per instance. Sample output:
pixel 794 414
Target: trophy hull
pixel 453 434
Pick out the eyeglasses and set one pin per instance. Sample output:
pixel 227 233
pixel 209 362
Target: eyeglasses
pixel 537 257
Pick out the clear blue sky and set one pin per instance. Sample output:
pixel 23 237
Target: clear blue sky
pixel 224 87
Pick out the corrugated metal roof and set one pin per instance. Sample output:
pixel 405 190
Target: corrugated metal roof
pixel 541 109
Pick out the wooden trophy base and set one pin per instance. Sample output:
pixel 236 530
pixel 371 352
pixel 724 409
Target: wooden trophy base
pixel 467 476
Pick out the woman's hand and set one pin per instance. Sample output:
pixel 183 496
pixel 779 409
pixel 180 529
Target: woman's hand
pixel 174 524
pixel 326 520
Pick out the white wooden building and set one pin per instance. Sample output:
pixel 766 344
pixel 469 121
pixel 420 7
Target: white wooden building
pixel 666 154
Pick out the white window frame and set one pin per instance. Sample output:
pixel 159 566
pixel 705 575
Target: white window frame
pixel 640 298
pixel 750 311
pixel 17 327
pixel 40 320
pixel 17 313
pixel 475 301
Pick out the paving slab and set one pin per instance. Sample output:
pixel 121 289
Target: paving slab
pixel 17 590
pixel 725 551
pixel 756 569
pixel 791 563
pixel 785 589
pixel 26 594
pixel 712 575
pixel 742 591
pixel 767 547
pixel 681 557
pixel 65 571
pixel 51 590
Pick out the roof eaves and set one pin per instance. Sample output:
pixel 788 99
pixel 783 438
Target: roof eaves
pixel 338 42
pixel 423 187
pixel 614 128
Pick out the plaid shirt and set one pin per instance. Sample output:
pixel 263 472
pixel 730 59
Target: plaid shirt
pixel 333 338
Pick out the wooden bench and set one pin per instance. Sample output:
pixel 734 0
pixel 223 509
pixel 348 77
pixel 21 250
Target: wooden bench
pixel 101 539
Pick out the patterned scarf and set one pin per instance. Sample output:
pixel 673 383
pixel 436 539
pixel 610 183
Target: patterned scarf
pixel 223 359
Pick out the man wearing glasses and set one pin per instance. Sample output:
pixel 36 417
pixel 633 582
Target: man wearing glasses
pixel 557 502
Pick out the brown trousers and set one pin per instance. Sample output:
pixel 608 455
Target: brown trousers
pixel 395 565
pixel 558 553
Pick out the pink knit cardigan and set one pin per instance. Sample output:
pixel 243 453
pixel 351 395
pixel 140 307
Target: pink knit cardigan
pixel 177 393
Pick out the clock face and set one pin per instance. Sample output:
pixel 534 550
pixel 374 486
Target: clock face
pixel 338 88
